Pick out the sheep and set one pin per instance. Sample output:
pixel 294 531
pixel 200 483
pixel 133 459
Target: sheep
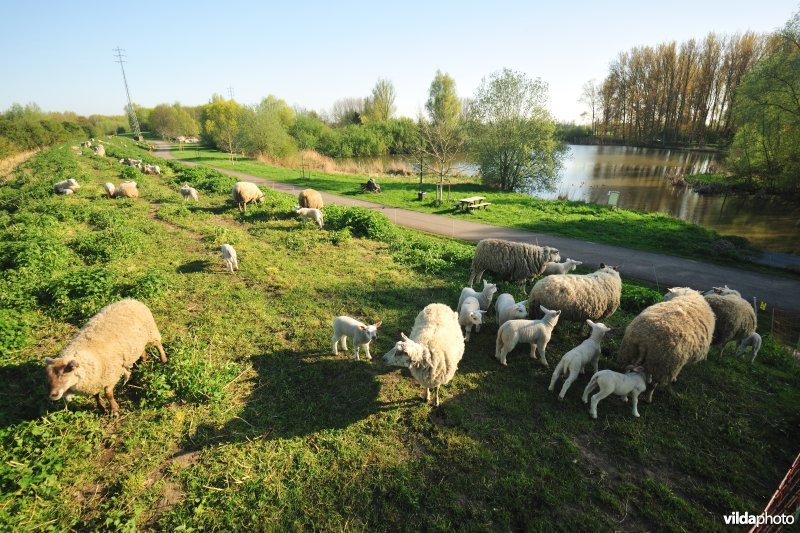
pixel 735 317
pixel 152 169
pixel 103 351
pixel 632 384
pixel 310 198
pixel 229 255
pixel 569 265
pixel 245 192
pixel 360 333
pixel 433 351
pixel 575 360
pixel 188 191
pixel 110 189
pixel 127 189
pixel 535 332
pixel 131 162
pixel 66 187
pixel 469 315
pixel 594 296
pixel 86 144
pixel 507 309
pixel 99 150
pixel 310 212
pixel 754 341
pixel 515 261
pixel 484 297
pixel 669 335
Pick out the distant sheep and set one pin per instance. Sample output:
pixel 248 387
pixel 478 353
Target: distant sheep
pixel 188 191
pixel 470 315
pixel 312 213
pixel 99 150
pixel 507 309
pixel 754 342
pixel 569 265
pixel 360 333
pixel 86 144
pixel 131 162
pixel 66 187
pixel 229 255
pixel 514 261
pixel 592 296
pixel 433 351
pixel 535 332
pixel 245 193
pixel 152 169
pixel 631 384
pixel 484 297
pixel 103 351
pixel 735 317
pixel 110 189
pixel 574 361
pixel 127 189
pixel 310 198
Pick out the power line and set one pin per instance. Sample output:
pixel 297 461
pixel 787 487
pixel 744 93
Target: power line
pixel 230 92
pixel 137 132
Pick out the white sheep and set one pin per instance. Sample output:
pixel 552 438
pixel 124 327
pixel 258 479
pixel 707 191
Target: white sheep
pixel 245 192
pixel 434 350
pixel 310 212
pixel 575 360
pixel 99 150
pixel 515 261
pixel 535 332
pixel 484 297
pixel 152 169
pixel 470 315
pixel 110 189
pixel 360 333
pixel 229 255
pixel 188 191
pixel 753 341
pixel 609 382
pixel 507 309
pixel 66 187
pixel 552 267
pixel 103 351
pixel 595 296
pixel 127 189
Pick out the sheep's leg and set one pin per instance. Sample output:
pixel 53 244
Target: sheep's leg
pixel 755 353
pixel 110 396
pixel 556 375
pixel 589 388
pixel 143 358
pixel 235 264
pixel 101 403
pixel 335 345
pixel 427 397
pixel 367 355
pixel 595 399
pixel 650 394
pixel 567 384
pixel 635 402
pixel 467 330
pixel 344 343
pixel 436 402
pixel 127 374
pixel 356 348
pixel 162 354
pixel 542 356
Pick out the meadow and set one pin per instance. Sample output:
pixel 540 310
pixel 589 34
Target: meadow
pixel 254 424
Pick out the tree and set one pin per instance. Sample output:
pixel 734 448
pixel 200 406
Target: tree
pixel 443 104
pixel 591 97
pixel 221 124
pixel 263 128
pixel 379 106
pixel 512 135
pixel 346 111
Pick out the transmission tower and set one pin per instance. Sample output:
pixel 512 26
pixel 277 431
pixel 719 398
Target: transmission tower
pixel 137 132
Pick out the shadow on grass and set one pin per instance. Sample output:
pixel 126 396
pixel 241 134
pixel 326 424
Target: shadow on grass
pixel 23 395
pixel 214 210
pixel 192 267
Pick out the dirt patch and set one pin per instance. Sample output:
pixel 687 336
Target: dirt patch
pixel 171 493
pixel 10 163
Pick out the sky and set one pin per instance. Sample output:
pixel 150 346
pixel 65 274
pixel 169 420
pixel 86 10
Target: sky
pixel 60 54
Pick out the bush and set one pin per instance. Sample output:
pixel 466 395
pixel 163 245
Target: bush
pixel 104 246
pixel 79 295
pixel 204 179
pixel 130 174
pixel 361 222
pixel 148 286
pixel 636 299
pixel 13 331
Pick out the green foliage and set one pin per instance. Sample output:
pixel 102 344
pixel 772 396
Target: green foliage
pixel 360 222
pixel 204 179
pixel 307 131
pixel 443 104
pixel 109 244
pixel 379 106
pixel 636 299
pixel 130 174
pixel 14 330
pixel 79 295
pixel 220 123
pixel 263 128
pixel 171 122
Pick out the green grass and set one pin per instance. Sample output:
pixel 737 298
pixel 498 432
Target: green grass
pixel 254 425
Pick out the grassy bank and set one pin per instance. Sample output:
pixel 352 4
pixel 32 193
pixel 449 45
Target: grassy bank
pixel 253 424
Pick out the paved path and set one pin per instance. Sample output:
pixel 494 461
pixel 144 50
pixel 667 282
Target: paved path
pixel 664 270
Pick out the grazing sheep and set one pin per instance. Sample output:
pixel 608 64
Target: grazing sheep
pixel 535 332
pixel 470 315
pixel 103 351
pixel 362 335
pixel 631 384
pixel 575 360
pixel 86 144
pixel 110 189
pixel 245 192
pixel 569 265
pixel 229 255
pixel 127 189
pixel 188 191
pixel 735 317
pixel 507 309
pixel 669 335
pixel 515 261
pixel 754 341
pixel 310 212
pixel 152 169
pixel 99 150
pixel 594 296
pixel 484 297
pixel 434 350
pixel 310 198
pixel 66 187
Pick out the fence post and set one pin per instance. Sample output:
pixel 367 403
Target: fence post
pixel 772 327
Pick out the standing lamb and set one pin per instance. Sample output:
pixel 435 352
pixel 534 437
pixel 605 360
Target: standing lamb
pixel 609 382
pixel 753 341
pixel 669 335
pixel 507 309
pixel 567 266
pixel 592 296
pixel 515 261
pixel 245 192
pixel 310 212
pixel 484 297
pixel 66 187
pixel 99 150
pixel 735 317
pixel 188 191
pixel 574 361
pixel 470 315
pixel 127 189
pixel 229 255
pixel 360 333
pixel 103 351
pixel 152 169
pixel 110 189
pixel 310 198
pixel 535 332
pixel 434 350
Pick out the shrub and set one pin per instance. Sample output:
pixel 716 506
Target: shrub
pixel 13 330
pixel 361 222
pixel 104 246
pixel 636 299
pixel 130 174
pixel 150 285
pixel 79 295
pixel 204 179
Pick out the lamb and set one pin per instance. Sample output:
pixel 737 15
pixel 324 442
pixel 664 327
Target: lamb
pixel 188 191
pixel 86 144
pixel 535 332
pixel 245 192
pixel 484 297
pixel 669 335
pixel 470 315
pixel 575 360
pixel 66 187
pixel 127 189
pixel 754 341
pixel 569 265
pixel 592 296
pixel 507 309
pixel 110 189
pixel 632 384
pixel 514 261
pixel 310 198
pixel 310 212
pixel 229 255
pixel 434 350
pixel 103 351
pixel 99 150
pixel 735 317
pixel 152 169
pixel 360 333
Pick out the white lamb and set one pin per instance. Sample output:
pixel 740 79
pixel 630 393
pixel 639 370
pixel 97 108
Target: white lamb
pixel 575 360
pixel 507 309
pixel 609 382
pixel 754 341
pixel 66 187
pixel 360 333
pixel 484 297
pixel 552 267
pixel 310 212
pixel 229 255
pixel 470 315
pixel 535 332
pixel 110 189
pixel 188 191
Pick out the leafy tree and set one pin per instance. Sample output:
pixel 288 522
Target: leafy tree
pixel 441 137
pixel 347 111
pixel 379 106
pixel 263 128
pixel 443 104
pixel 512 133
pixel 221 124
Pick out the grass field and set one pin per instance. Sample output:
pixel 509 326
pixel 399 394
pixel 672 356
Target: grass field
pixel 254 425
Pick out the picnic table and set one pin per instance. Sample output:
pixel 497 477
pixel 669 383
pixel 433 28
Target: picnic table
pixel 473 202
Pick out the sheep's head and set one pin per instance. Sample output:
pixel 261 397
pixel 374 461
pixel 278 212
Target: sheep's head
pixel 519 311
pixel 598 327
pixel 405 353
pixel 550 317
pixel 677 292
pixel 61 376
pixel 489 289
pixel 371 331
pixel 572 264
pixel 476 317
pixel 553 253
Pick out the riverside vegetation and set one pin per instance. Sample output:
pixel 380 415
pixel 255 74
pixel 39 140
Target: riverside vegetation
pixel 253 424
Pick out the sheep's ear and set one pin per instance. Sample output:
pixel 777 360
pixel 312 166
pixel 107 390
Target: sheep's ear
pixel 72 365
pixel 403 336
pixel 602 265
pixel 578 263
pixel 589 321
pixel 544 309
pixel 49 360
pixel 362 328
pixel 483 312
pixel 485 283
pixel 378 324
pixel 558 313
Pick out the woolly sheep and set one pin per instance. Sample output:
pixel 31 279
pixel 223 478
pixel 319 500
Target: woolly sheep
pixel 229 255
pixel 99 150
pixel 152 169
pixel 509 260
pixel 127 189
pixel 753 341
pixel 470 315
pixel 310 198
pixel 188 191
pixel 575 360
pixel 631 384
pixel 360 333
pixel 569 265
pixel 669 335
pixel 86 144
pixel 594 296
pixel 309 212
pixel 535 332
pixel 110 189
pixel 62 187
pixel 484 297
pixel 245 192
pixel 433 351
pixel 103 351
pixel 507 309
pixel 735 317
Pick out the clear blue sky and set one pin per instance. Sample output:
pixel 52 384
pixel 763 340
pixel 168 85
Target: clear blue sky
pixel 59 54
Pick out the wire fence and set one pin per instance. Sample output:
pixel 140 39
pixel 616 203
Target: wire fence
pixel 784 325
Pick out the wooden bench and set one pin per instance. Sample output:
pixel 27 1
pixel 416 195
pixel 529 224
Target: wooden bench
pixel 480 205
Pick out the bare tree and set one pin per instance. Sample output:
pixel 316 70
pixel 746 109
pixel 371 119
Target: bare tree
pixel 591 97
